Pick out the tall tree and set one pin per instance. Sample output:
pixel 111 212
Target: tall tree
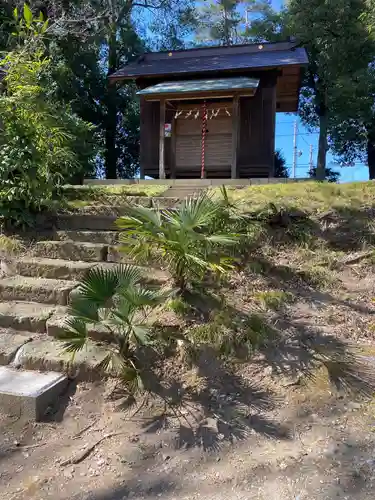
pixel 280 168
pixel 221 21
pixel 91 39
pixel 339 47
pixel 352 133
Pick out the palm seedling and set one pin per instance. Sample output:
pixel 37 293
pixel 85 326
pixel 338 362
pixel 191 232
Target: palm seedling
pixel 189 241
pixel 115 301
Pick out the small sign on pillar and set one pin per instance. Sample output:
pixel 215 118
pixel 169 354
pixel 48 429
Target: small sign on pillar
pixel 168 130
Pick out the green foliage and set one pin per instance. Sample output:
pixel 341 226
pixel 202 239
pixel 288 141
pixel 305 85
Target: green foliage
pixel 340 51
pixel 335 94
pixel 280 169
pixel 219 21
pixel 330 174
pixel 9 245
pixel 223 22
pixel 318 276
pixel 189 241
pixel 178 305
pixel 114 300
pixel 232 335
pixel 273 299
pixel 37 142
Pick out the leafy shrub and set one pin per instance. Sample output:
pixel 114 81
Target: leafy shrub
pixel 38 135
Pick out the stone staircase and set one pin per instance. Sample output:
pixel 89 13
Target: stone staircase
pixel 35 291
pixel 180 192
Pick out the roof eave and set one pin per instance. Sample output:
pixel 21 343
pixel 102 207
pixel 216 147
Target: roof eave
pixel 115 78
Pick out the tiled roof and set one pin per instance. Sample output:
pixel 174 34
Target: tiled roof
pixel 202 62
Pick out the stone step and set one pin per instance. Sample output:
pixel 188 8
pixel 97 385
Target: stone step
pixel 56 327
pixel 38 267
pixel 79 222
pixel 71 250
pixel 27 316
pixel 39 352
pixel 180 193
pixel 105 237
pixel 43 290
pixel 28 394
pixel 117 210
pixel 10 343
pixel 48 354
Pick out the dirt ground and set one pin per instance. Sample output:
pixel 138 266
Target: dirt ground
pixel 306 449
pixel 253 430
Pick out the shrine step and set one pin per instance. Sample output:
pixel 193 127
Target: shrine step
pixel 38 267
pixel 71 250
pixel 43 290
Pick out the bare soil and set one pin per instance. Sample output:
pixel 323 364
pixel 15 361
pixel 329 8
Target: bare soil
pixel 244 430
pixel 250 429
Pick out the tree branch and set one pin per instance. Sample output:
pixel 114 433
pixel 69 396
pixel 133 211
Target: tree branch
pixel 147 5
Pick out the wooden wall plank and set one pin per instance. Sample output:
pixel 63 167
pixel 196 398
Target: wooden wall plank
pixel 257 129
pixel 235 135
pixel 149 136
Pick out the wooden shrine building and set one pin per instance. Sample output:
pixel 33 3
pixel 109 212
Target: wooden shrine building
pixel 210 112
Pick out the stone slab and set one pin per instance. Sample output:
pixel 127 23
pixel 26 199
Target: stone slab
pixel 27 393
pixel 49 355
pixel 71 250
pixel 56 327
pixel 105 237
pixel 46 291
pixel 83 222
pixel 115 255
pixel 10 343
pixel 182 182
pixel 52 268
pixel 27 316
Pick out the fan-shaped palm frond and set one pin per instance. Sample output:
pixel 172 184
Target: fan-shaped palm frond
pixel 75 336
pixel 115 300
pixel 190 240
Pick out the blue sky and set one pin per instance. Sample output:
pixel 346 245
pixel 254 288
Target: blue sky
pixel 284 141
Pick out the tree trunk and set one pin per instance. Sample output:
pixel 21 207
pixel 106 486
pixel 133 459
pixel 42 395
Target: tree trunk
pixel 371 153
pixel 323 146
pixel 111 118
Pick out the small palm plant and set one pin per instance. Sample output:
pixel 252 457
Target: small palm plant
pixel 189 241
pixel 116 301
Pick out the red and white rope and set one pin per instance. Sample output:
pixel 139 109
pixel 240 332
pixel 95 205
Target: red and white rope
pixel 204 131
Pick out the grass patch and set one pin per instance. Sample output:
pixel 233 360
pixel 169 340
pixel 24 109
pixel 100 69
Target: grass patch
pixel 233 336
pixel 178 305
pixel 310 196
pixel 320 256
pixel 9 245
pixel 107 194
pixel 318 277
pixel 274 299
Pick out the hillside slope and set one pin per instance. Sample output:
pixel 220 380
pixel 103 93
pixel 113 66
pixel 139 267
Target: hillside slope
pixel 252 412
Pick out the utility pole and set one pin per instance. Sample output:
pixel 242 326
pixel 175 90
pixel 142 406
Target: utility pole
pixel 311 161
pixel 295 151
